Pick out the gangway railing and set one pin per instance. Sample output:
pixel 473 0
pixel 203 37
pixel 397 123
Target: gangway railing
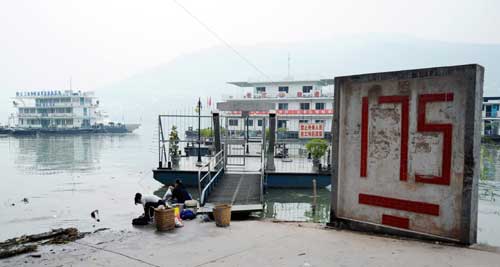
pixel 207 182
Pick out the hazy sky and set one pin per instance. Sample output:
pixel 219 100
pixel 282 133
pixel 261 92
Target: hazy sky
pixel 43 43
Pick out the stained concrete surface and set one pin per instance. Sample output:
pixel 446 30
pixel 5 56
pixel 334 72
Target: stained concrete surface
pixel 251 243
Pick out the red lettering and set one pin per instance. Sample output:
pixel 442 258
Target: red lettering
pixel 445 128
pixel 405 106
pixel 364 137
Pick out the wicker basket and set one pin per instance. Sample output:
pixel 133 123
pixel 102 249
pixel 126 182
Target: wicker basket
pixel 164 219
pixel 222 215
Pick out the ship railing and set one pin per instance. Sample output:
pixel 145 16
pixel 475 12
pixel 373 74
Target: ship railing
pixel 175 147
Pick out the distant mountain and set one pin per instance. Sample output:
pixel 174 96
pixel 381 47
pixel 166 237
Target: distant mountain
pixel 175 86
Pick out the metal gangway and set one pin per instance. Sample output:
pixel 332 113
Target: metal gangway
pixel 236 174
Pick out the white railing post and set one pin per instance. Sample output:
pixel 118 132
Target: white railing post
pixel 209 173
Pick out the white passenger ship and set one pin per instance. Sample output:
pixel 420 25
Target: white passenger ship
pixel 62 112
pixel 306 103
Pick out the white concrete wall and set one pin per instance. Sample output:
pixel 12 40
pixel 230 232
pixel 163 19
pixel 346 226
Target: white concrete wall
pixel 384 153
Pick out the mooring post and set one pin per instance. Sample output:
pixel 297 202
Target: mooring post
pixel 216 122
pixel 272 137
pixel 315 196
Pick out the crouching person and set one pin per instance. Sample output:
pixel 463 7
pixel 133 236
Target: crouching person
pixel 149 202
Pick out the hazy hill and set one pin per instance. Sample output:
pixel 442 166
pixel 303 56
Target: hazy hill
pixel 177 84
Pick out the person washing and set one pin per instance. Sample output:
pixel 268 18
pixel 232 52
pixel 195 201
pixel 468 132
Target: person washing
pixel 180 193
pixel 149 202
pixel 168 193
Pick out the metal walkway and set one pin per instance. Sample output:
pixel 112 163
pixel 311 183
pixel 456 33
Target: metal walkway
pixel 241 190
pixel 221 185
pixel 237 189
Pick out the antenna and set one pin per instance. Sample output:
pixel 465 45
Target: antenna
pixel 288 65
pixel 70 83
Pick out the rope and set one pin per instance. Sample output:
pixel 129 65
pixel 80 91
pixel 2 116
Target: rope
pixel 218 37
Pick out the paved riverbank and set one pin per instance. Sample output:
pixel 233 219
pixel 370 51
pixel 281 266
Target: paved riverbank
pixel 251 243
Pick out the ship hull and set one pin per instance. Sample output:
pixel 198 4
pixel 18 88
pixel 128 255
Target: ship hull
pixel 94 130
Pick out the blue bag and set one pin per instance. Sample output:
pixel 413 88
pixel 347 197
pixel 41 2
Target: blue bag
pixel 187 214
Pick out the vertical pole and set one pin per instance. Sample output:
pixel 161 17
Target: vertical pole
pixel 272 137
pixel 199 130
pixel 248 136
pixel 226 145
pixel 160 165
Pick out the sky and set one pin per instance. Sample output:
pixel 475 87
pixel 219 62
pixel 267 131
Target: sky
pixel 96 43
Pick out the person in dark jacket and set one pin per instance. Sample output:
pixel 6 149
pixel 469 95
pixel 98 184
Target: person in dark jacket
pixel 180 193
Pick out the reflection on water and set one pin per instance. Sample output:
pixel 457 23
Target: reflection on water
pixel 60 153
pixel 489 193
pixel 296 205
pixel 65 177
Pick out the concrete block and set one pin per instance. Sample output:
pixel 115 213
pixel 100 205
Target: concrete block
pixel 406 148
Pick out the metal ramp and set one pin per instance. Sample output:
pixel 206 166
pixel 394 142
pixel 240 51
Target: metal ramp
pixel 228 178
pixel 237 189
pixel 242 190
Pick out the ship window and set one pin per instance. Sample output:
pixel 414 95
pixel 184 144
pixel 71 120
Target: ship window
pixel 250 122
pixel 281 124
pixel 233 122
pixel 283 106
pixel 305 106
pixel 283 89
pixel 307 88
pixel 303 121
pixel 319 121
pixel 259 122
pixel 320 105
pixel 260 89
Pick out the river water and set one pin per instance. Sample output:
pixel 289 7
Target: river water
pixel 65 178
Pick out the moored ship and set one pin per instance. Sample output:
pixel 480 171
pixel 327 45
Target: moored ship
pixel 62 112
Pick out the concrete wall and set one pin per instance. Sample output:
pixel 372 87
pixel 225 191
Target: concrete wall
pixel 407 151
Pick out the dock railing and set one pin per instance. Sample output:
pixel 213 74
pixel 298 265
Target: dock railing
pixel 181 136
pixel 207 182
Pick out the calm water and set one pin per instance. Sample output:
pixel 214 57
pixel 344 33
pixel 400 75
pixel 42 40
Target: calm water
pixel 64 178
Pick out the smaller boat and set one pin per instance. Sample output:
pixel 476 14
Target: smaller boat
pixel 5 130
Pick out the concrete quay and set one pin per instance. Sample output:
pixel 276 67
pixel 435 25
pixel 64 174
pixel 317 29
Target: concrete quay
pixel 252 243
